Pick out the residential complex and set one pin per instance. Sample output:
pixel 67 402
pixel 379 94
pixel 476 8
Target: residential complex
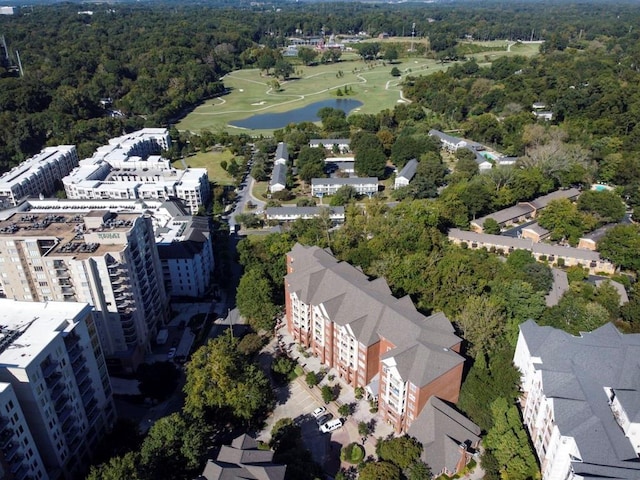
pixel 485 159
pixel 562 256
pixel 184 242
pixel 524 211
pixel 580 398
pixel 290 214
pixel 38 175
pixel 329 186
pixel 55 396
pixel 372 339
pixel 342 144
pixel 100 257
pixel 130 167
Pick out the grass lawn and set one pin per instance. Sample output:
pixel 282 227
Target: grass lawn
pixel 211 161
pixel 251 93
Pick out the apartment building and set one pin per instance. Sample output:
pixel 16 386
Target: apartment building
pixel 543 252
pixel 290 214
pixel 329 186
pixel 580 398
pixel 55 397
pixel 184 242
pixel 38 175
pixel 130 167
pixel 107 259
pixel 372 339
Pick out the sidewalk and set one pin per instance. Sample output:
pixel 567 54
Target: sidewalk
pixel 360 408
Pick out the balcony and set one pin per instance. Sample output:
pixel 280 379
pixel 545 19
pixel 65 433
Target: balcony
pixel 61 403
pixel 68 291
pixel 5 437
pixel 49 369
pixel 56 392
pixel 10 450
pixel 82 374
pixel 65 415
pixel 84 385
pixel 75 352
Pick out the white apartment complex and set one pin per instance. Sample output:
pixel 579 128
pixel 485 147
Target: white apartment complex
pixel 184 243
pixel 107 259
pixel 581 401
pixel 37 175
pixel 55 396
pixel 329 186
pixel 130 167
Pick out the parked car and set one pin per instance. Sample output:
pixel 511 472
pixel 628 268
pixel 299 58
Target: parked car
pixel 172 353
pixel 331 426
pixel 318 411
pixel 324 419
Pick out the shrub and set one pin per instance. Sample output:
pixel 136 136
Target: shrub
pixel 327 393
pixel 311 379
pixel 359 393
pixel 344 410
pixel 352 453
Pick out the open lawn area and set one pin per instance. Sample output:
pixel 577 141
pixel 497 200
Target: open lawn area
pixel 211 161
pixel 251 91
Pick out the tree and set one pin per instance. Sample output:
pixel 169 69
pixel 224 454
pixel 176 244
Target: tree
pixel 401 451
pixel 621 245
pixel 250 344
pixel 282 69
pixel 307 55
pixel 491 227
pixel 379 471
pixel 117 468
pixel 344 195
pixel 158 380
pixel 328 393
pixel 509 443
pixel 606 205
pixel 390 53
pixel 370 163
pixel 368 51
pixel 254 299
pixel 418 470
pixel 311 379
pixel 482 322
pixel 219 377
pixel 562 219
pixel 395 72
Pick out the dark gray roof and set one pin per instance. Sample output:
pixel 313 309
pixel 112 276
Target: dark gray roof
pixel 175 207
pixel 543 201
pixel 344 181
pixel 409 170
pixel 442 429
pixel 329 141
pixel 558 287
pixel 423 344
pixel 597 234
pixel 537 229
pixel 506 215
pixel 282 151
pixel 575 371
pixel 196 236
pixel 242 460
pixel 279 175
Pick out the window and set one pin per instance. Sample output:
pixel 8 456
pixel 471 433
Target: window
pixel 38 269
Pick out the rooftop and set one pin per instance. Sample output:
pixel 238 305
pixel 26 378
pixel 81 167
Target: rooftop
pixel 27 327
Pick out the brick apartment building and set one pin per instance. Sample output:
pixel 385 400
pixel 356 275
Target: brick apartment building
pixel 372 339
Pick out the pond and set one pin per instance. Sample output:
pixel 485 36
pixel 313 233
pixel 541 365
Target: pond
pixel 268 121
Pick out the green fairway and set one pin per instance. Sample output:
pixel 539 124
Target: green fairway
pixel 251 92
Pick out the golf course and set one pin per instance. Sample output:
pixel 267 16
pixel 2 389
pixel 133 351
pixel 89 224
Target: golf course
pixel 252 92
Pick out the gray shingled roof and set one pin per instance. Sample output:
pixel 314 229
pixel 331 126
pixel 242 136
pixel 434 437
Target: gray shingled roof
pixel 282 151
pixel 575 370
pixel 543 201
pixel 303 211
pixel 343 181
pixel 558 287
pixel 279 175
pixel 243 461
pixel 409 170
pixel 507 214
pixel 423 344
pixel 442 429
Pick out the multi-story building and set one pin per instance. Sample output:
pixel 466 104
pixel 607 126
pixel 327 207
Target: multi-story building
pixel 55 397
pixel 107 259
pixel 184 242
pixel 129 167
pixel 19 456
pixel 372 339
pixel 580 398
pixel 290 214
pixel 329 186
pixel 39 174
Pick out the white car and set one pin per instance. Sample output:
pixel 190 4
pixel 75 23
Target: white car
pixel 172 353
pixel 331 426
pixel 318 412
